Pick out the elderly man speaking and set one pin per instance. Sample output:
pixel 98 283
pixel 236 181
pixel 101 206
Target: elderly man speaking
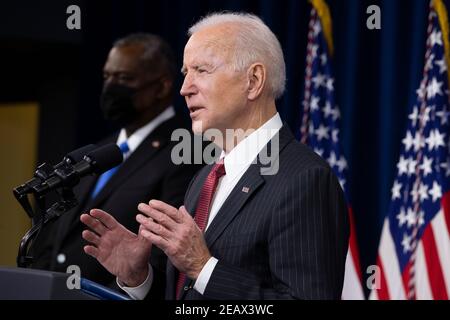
pixel 241 234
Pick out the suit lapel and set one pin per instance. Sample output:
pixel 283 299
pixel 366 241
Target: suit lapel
pixel 247 185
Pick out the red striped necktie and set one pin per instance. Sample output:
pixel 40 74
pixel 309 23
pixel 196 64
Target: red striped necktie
pixel 203 207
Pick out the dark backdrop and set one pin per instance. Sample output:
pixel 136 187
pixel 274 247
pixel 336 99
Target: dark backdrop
pixel 377 73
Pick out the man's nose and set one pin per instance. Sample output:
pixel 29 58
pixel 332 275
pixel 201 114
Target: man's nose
pixel 110 80
pixel 187 88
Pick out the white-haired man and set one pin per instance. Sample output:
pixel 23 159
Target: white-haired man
pixel 243 233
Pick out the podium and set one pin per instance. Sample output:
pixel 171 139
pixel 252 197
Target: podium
pixel 32 284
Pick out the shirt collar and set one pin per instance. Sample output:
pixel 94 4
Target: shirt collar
pixel 242 155
pixel 139 135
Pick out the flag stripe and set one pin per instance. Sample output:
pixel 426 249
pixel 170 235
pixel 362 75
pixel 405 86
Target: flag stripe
pixel 443 247
pixel 354 245
pixel 352 289
pixel 382 293
pixel 433 266
pixel 391 267
pixel 423 290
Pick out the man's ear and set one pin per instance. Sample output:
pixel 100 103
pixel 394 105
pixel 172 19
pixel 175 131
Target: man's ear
pixel 256 74
pixel 165 88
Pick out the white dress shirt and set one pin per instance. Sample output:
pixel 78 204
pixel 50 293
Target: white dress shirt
pixel 139 135
pixel 236 163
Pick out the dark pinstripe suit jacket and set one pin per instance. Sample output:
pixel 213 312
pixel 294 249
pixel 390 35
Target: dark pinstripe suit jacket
pixel 286 238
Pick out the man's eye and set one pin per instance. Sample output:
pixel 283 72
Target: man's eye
pixel 201 70
pixel 125 78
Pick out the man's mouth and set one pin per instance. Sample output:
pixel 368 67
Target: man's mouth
pixel 194 111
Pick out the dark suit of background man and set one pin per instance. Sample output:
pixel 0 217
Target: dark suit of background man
pixel 275 234
pixel 137 95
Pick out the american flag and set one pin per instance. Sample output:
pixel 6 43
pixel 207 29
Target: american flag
pixel 414 251
pixel 320 126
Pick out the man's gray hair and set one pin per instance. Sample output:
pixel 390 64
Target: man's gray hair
pixel 255 42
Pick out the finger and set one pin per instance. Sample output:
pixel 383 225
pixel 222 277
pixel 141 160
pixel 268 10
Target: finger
pixel 92 251
pixel 107 219
pixel 93 224
pixel 163 207
pixel 184 212
pixel 154 227
pixel 158 216
pixel 91 237
pixel 157 240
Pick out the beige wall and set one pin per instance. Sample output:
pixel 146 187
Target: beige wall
pixel 18 145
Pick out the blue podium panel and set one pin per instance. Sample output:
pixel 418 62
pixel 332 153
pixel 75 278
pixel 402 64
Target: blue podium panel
pixel 100 291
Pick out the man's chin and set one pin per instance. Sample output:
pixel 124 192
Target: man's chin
pixel 198 127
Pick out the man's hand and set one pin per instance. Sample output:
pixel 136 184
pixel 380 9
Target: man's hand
pixel 119 250
pixel 176 233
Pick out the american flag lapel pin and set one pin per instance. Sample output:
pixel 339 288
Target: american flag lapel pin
pixel 245 189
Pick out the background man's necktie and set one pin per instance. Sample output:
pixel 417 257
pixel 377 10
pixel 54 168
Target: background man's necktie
pixel 103 179
pixel 203 207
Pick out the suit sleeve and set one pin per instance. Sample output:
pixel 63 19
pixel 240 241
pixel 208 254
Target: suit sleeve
pixel 307 245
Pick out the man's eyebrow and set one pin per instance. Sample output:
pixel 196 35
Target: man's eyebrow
pixel 197 65
pixel 119 71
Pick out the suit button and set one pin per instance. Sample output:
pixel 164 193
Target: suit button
pixel 61 258
pixel 186 288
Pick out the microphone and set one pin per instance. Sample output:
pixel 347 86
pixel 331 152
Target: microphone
pixel 45 170
pixel 78 154
pixel 97 161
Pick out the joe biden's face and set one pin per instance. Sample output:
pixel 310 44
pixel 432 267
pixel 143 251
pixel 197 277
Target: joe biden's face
pixel 215 93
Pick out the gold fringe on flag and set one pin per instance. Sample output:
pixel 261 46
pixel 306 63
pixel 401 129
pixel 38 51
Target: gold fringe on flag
pixel 441 11
pixel 325 17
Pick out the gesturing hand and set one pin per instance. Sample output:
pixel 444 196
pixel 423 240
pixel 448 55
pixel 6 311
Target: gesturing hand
pixel 176 233
pixel 120 251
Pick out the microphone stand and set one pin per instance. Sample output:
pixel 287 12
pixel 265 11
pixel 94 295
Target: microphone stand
pixel 66 202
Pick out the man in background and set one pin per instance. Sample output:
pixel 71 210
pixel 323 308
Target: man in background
pixel 137 95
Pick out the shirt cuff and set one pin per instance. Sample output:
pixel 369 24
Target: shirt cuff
pixel 139 292
pixel 204 275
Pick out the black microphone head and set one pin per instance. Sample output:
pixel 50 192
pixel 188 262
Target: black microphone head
pixel 105 158
pixel 78 154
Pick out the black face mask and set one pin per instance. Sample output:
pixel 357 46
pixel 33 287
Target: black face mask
pixel 117 104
